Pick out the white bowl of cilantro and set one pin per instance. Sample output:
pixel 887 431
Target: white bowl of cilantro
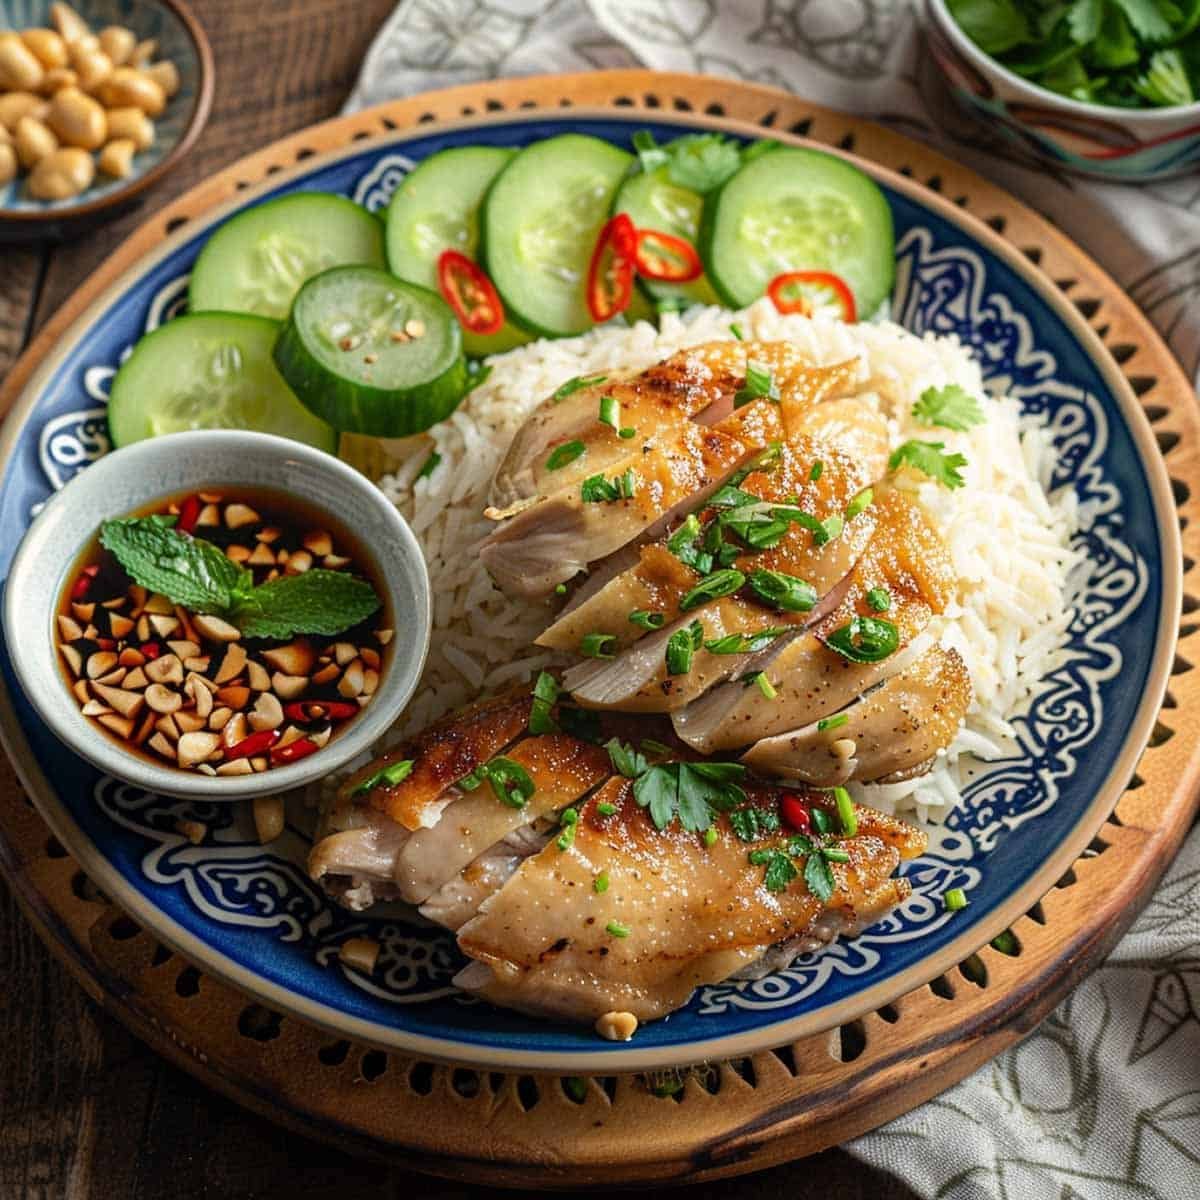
pixel 218 615
pixel 1107 88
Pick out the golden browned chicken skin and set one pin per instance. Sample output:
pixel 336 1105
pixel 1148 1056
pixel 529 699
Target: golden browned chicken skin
pixel 676 913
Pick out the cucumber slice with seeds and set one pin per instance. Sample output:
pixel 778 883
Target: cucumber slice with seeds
pixel 371 354
pixel 540 221
pixel 257 261
pixel 792 209
pixel 209 371
pixel 436 208
pixel 652 201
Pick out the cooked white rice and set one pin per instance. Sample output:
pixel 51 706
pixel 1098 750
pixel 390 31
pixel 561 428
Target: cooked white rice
pixel 1008 539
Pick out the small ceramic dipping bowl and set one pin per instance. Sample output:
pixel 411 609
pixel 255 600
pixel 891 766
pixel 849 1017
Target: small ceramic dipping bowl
pixel 1119 144
pixel 180 40
pixel 130 480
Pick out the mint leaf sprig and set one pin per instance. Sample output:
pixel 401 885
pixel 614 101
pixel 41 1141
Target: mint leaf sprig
pixel 197 575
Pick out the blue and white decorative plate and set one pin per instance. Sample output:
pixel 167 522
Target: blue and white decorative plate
pixel 250 914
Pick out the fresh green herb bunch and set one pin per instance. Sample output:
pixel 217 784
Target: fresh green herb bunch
pixel 1122 53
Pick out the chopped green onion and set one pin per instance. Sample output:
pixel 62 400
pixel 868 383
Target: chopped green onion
pixel 817 468
pixel 627 484
pixel 545 694
pixel 880 599
pixel 595 645
pixel 626 432
pixel 430 465
pixel 511 783
pixel 865 640
pixel 568 452
pixel 684 535
pixel 783 591
pixel 682 646
pixel 764 685
pixel 710 835
pixel 600 883
pixel 576 384
pixel 645 619
pixel 718 584
pixel 955 899
pixel 568 821
pixel 845 810
pixel 596 489
pixel 610 411
pixel 859 503
pixel 745 643
pixel 759 385
pixel 560 589
pixel 650 746
pixel 832 526
pixel 604 809
pixel 833 854
pixel 736 330
pixel 834 722
pixel 617 929
pixel 388 776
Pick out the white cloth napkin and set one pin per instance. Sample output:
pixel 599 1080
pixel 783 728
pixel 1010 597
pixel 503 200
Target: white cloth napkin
pixel 1102 1102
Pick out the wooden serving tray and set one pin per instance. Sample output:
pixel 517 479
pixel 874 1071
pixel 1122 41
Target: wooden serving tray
pixel 734 1117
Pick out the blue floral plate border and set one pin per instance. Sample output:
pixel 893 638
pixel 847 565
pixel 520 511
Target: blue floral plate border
pixel 248 913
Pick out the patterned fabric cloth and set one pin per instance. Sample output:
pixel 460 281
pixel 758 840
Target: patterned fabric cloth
pixel 1102 1102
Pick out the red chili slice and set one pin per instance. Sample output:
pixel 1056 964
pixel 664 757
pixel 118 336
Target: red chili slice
pixel 663 256
pixel 610 273
pixel 306 711
pixel 294 751
pixel 150 649
pixel 256 743
pixel 802 291
pixel 470 293
pixel 189 514
pixel 796 814
pixel 82 585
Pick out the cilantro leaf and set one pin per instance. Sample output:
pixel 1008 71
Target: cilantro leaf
pixel 818 876
pixel 189 571
pixel 650 154
pixel 930 459
pixel 751 824
pixel 690 791
pixel 319 601
pixel 1146 18
pixel 951 407
pixel 993 25
pixel 702 161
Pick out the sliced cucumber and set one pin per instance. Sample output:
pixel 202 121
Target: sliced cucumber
pixel 654 202
pixel 792 209
pixel 371 354
pixel 541 218
pixel 436 208
pixel 209 371
pixel 256 262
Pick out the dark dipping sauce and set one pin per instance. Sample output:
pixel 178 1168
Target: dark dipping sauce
pixel 188 690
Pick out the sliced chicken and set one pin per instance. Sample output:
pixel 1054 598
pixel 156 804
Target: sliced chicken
pixel 458 899
pixel 638 679
pixel 441 755
pixel 658 581
pixel 675 914
pixel 896 728
pixel 561 768
pixel 811 680
pixel 354 859
pixel 698 383
pixel 552 541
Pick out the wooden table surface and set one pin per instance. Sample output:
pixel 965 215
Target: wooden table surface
pixel 86 1111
